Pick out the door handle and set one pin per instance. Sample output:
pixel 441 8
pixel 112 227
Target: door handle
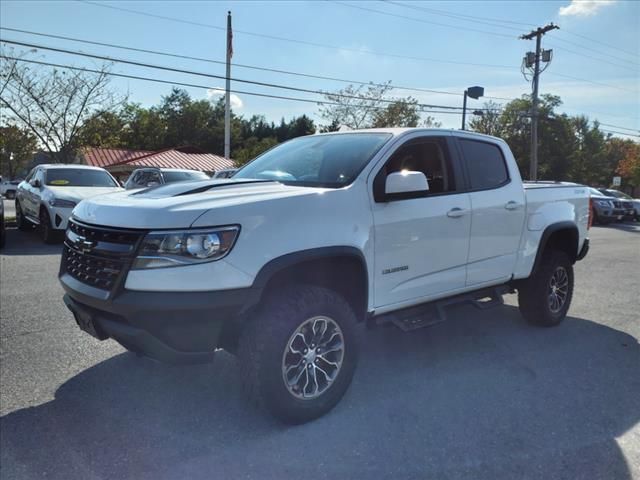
pixel 456 212
pixel 512 205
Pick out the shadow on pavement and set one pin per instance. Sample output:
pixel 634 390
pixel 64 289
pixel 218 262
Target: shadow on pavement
pixel 29 243
pixel 481 396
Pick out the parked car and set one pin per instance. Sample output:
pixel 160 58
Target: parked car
pixel 8 188
pixel 630 204
pixel 281 261
pixel 226 173
pixel 3 233
pixel 606 209
pixel 149 177
pixel 50 192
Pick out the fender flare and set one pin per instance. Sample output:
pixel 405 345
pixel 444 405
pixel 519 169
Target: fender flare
pixel 278 264
pixel 544 239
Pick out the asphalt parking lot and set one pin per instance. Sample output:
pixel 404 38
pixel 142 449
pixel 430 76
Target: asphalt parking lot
pixel 483 395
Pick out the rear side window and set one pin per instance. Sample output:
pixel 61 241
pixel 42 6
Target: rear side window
pixel 485 164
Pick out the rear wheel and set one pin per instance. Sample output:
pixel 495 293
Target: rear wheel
pixel 21 222
pixel 298 355
pixel 545 297
pixel 10 195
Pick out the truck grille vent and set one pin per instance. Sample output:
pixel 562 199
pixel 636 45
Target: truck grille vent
pixel 97 256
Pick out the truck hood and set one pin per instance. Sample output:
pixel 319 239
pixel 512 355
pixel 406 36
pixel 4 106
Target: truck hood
pixel 178 205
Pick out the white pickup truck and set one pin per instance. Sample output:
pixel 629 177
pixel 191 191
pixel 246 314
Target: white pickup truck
pixel 279 263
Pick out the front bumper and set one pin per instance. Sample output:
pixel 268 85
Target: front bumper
pixel 59 217
pixel 172 327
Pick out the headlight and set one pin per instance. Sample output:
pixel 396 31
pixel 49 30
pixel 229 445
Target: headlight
pixel 185 247
pixel 61 203
pixel 603 203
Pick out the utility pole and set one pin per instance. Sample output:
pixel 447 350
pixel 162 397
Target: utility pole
pixel 528 60
pixel 227 96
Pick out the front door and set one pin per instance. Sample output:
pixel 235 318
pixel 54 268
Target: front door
pixel 421 241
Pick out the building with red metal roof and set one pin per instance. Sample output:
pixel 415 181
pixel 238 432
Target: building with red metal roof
pixel 121 162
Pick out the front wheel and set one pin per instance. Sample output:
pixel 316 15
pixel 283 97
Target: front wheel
pixel 47 232
pixel 298 355
pixel 545 297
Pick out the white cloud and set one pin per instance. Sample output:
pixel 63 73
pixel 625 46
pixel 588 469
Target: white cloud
pixel 584 8
pixel 215 93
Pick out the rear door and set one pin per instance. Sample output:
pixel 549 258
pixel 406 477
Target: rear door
pixel 498 210
pixel 421 240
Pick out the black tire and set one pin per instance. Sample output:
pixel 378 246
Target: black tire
pixel 3 232
pixel 535 293
pixel 21 222
pixel 48 234
pixel 267 337
pixel 10 195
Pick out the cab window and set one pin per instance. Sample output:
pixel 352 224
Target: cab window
pixel 428 155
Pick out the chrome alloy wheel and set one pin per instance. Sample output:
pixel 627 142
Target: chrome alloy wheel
pixel 313 357
pixel 558 289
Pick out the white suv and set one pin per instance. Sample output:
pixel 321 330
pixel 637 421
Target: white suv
pixel 50 192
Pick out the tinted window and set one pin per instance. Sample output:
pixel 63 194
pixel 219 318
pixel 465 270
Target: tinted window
pixel 485 164
pixel 170 177
pixel 428 156
pixel 79 177
pixel 320 160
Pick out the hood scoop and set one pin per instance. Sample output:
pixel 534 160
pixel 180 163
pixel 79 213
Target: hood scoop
pixel 190 188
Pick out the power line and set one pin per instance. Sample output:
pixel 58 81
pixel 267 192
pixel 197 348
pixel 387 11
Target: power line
pixel 562 48
pixel 209 75
pixel 252 67
pixel 456 15
pixel 592 81
pixel 483 20
pixel 303 42
pixel 192 85
pixel 619 127
pixel 459 27
pixel 320 45
pixel 241 92
pixel 620 133
pixel 597 52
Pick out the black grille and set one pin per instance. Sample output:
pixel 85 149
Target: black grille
pixel 95 271
pixel 98 256
pixel 617 204
pixel 627 205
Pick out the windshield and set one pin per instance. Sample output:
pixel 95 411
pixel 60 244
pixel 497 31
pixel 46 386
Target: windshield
pixel 78 177
pixel 172 176
pixel 332 161
pixel 617 194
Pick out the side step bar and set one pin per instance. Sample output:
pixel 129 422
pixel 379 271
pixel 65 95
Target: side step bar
pixel 432 313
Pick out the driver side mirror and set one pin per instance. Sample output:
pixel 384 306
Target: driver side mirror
pixel 406 182
pixel 35 183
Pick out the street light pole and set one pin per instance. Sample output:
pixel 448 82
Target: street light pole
pixel 473 92
pixel 464 109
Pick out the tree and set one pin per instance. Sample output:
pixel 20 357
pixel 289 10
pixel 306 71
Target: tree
pixel 489 120
pixel 401 113
pixel 54 104
pixel 627 155
pixel 354 107
pixel 513 124
pixel 17 147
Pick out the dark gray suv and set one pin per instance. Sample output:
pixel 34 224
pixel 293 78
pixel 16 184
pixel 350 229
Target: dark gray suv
pixel 606 209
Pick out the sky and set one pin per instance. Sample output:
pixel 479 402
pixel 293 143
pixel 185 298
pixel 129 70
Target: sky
pixel 444 46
